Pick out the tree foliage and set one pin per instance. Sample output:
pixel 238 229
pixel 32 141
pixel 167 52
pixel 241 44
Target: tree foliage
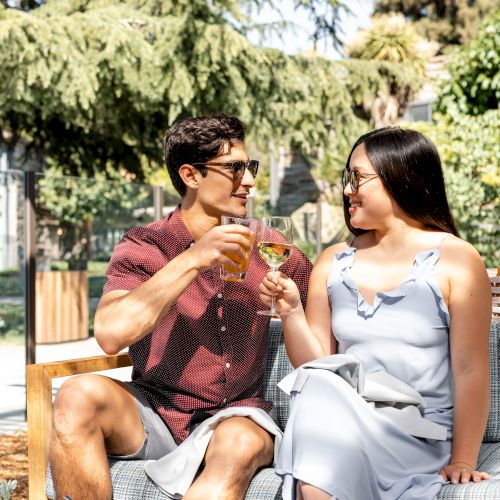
pixel 474 83
pixel 466 134
pixel 77 205
pixel 391 38
pixel 470 152
pixel 93 84
pixel 449 22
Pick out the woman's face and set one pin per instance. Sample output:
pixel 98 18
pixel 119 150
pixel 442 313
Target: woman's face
pixel 370 205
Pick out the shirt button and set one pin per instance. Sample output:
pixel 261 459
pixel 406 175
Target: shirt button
pixel 222 328
pixel 228 365
pixel 219 295
pixel 191 244
pixel 224 401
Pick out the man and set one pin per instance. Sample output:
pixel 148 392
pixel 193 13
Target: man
pixel 196 343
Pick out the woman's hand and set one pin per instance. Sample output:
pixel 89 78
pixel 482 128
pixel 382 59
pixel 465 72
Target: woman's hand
pixel 461 472
pixel 284 290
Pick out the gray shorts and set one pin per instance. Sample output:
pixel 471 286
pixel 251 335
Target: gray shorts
pixel 157 440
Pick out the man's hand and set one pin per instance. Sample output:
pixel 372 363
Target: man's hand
pixel 222 245
pixel 460 472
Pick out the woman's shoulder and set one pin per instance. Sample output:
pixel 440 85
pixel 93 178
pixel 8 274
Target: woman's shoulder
pixel 325 260
pixel 334 249
pixel 453 247
pixel 460 260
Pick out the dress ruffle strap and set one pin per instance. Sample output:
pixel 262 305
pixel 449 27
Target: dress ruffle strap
pixel 344 260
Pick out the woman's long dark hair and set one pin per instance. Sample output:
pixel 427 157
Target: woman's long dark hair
pixel 410 170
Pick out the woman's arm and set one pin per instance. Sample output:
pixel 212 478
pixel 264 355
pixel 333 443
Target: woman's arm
pixel 469 303
pixel 308 334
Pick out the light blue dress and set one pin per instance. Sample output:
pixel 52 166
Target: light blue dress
pixel 334 440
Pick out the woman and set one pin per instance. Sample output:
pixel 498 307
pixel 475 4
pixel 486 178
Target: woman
pixel 406 297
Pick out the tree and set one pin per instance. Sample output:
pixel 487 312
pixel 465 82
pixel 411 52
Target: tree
pixel 449 22
pixel 470 151
pixel 107 202
pixel 324 15
pixel 393 40
pixel 92 84
pixel 474 83
pixel 466 133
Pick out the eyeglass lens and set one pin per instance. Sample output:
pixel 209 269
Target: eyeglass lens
pixel 238 168
pixel 350 177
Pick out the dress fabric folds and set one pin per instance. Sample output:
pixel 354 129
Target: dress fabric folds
pixel 342 441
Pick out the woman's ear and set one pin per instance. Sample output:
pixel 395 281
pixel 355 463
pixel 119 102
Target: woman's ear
pixel 189 175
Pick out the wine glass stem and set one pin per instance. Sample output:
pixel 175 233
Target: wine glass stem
pixel 273 305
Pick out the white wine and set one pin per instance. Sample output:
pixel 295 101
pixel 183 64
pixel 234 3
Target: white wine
pixel 274 254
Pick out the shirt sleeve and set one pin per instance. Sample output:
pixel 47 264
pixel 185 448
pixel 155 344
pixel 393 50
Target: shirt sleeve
pixel 299 268
pixel 133 261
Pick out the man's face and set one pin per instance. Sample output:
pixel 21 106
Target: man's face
pixel 218 192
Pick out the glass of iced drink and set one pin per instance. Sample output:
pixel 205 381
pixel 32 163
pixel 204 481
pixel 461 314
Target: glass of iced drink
pixel 237 272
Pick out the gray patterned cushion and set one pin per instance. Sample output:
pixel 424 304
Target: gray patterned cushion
pixel 492 434
pixel 277 367
pixel 131 483
pixel 489 461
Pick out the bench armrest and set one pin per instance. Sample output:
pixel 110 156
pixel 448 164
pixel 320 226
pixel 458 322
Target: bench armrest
pixel 39 404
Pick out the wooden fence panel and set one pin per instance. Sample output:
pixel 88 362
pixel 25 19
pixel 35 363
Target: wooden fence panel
pixel 62 306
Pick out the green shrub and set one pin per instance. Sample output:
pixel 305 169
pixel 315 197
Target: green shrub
pixel 11 321
pixel 10 285
pixel 470 152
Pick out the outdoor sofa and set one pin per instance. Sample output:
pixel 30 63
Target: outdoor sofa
pixel 128 477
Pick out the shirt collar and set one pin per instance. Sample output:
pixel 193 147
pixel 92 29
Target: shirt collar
pixel 176 230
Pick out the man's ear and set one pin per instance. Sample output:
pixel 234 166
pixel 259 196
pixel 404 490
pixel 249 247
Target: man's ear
pixel 189 175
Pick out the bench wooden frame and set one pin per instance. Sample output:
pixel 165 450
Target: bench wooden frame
pixel 495 294
pixel 39 401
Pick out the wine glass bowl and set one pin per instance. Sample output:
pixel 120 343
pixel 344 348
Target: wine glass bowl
pixel 275 244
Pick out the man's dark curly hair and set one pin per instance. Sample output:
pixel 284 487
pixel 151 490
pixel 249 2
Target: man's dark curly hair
pixel 198 140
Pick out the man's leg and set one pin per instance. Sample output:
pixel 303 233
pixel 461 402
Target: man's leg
pixel 238 448
pixel 93 415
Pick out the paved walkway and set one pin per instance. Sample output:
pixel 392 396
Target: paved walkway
pixel 13 382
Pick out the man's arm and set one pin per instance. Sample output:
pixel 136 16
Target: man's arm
pixel 124 317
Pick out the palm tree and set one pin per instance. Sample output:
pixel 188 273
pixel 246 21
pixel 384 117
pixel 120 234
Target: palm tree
pixel 393 39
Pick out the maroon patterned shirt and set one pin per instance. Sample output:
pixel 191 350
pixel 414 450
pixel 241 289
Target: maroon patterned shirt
pixel 209 351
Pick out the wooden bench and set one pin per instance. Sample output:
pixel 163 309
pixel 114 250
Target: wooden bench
pixel 495 291
pixel 39 400
pixel 128 477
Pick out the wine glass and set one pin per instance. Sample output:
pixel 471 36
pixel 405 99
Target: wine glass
pixel 275 243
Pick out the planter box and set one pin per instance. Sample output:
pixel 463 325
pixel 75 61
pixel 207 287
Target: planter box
pixel 62 306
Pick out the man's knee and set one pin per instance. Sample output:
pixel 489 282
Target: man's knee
pixel 78 403
pixel 242 440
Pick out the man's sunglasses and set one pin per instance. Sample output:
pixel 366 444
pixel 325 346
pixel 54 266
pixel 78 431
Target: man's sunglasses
pixel 236 167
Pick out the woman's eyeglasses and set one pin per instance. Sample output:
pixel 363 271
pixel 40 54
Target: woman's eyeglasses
pixel 354 177
pixel 236 167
